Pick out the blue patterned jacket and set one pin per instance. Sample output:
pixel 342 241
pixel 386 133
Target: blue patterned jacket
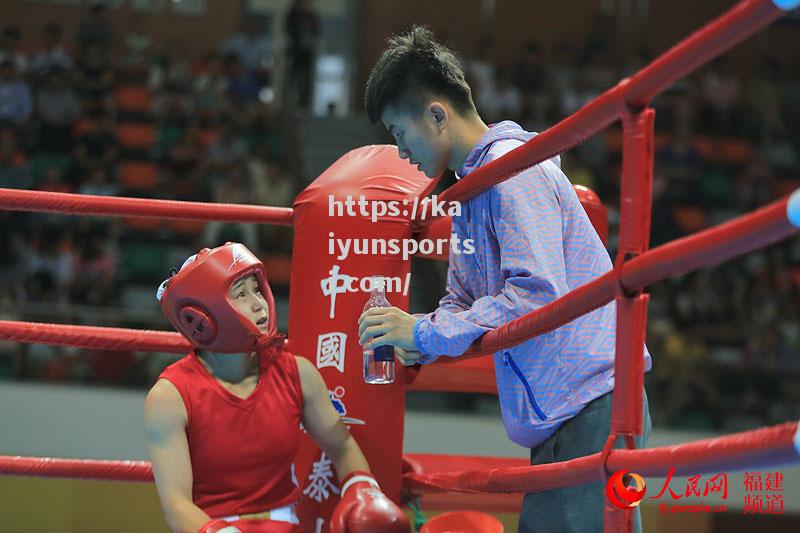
pixel 533 244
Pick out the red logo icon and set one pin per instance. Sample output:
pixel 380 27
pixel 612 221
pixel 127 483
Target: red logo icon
pixel 622 495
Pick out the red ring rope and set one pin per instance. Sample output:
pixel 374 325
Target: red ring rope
pixel 761 447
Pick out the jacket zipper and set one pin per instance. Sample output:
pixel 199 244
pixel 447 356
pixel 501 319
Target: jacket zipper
pixel 510 362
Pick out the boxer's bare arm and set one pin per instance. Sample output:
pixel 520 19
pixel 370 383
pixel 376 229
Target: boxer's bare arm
pixel 165 426
pixel 324 425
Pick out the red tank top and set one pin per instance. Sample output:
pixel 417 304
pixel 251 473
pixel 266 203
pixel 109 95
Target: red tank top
pixel 242 451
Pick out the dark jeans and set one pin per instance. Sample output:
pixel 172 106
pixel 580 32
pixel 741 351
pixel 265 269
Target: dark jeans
pixel 577 509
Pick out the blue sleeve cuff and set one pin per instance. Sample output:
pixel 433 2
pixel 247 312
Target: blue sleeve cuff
pixel 426 358
pixel 417 336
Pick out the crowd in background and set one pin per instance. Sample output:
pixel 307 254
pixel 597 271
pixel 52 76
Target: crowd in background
pixel 724 340
pixel 89 110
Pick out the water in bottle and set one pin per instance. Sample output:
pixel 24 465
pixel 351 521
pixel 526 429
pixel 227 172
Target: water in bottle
pixel 378 363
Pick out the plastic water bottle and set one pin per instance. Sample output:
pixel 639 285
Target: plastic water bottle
pixel 378 363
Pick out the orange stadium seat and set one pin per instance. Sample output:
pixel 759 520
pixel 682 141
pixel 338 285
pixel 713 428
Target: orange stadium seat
pixel 136 136
pixel 706 147
pixel 82 127
pixel 133 99
pixel 138 176
pixel 208 136
pixel 690 218
pixel 735 151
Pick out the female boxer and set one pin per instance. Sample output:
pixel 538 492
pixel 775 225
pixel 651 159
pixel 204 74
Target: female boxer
pixel 223 423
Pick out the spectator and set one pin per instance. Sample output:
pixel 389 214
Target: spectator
pixel 173 106
pixel 210 90
pixel 96 30
pixel 243 86
pixel 173 111
pixel 237 188
pixel 55 364
pixel 563 72
pixel 11 48
pixel 48 270
pixel 14 171
pixel 663 227
pixel 98 148
pixel 51 55
pixel 94 79
pixel 171 70
pixel 480 72
pixel 109 367
pixel 254 48
pixel 678 159
pixel 58 109
pixel 530 77
pixel 754 187
pixel 677 109
pixel 53 180
pixel 721 92
pixel 529 71
pixel 94 268
pixel 12 275
pixel 99 183
pixel 16 101
pixel 303 28
pixel 507 101
pixel 790 104
pixel 226 151
pixel 578 95
pixel 640 59
pixel 184 169
pixel 262 130
pixel 138 44
pixel 273 186
pixel 764 98
pixel 690 399
pixel 598 69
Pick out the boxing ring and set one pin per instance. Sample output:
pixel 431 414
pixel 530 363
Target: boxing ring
pixel 635 267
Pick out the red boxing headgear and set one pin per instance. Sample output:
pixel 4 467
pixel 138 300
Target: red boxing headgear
pixel 196 300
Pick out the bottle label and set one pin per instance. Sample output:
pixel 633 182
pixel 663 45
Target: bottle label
pixel 383 353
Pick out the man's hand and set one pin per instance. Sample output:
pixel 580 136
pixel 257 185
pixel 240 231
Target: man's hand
pixel 382 326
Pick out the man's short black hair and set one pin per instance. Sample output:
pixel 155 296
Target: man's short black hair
pixel 415 67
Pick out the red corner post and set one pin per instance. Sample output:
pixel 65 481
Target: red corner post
pixel 634 239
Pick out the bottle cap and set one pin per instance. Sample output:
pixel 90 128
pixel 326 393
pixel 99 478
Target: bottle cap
pixel 377 284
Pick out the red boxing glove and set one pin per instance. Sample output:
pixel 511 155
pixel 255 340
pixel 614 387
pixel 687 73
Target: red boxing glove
pixel 365 509
pixel 218 526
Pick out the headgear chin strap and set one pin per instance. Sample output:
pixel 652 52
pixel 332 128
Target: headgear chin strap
pixel 196 302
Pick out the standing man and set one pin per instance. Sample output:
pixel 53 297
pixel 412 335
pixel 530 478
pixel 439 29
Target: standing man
pixel 533 244
pixel 303 27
